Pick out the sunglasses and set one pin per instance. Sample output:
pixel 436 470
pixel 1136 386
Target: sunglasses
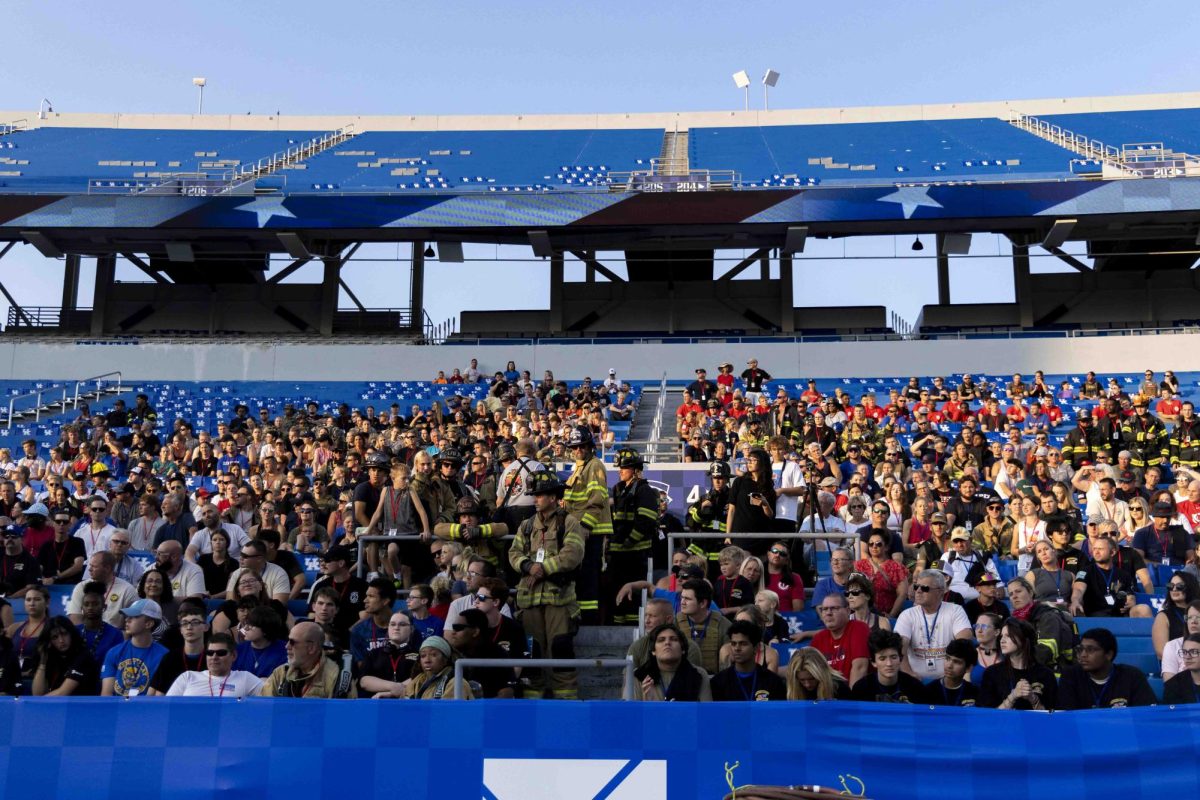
pixel 854 592
pixel 874 544
pixel 920 587
pixel 1176 587
pixel 217 653
pixel 98 509
pixel 61 521
pixel 778 552
pixel 479 598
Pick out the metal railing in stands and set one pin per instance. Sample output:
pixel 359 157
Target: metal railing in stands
pixel 69 397
pixel 656 427
pixel 38 405
pixel 100 381
pixel 833 536
pixel 625 664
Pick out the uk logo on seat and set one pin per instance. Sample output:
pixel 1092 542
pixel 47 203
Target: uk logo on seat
pixel 573 779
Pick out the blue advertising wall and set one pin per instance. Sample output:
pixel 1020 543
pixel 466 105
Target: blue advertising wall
pixel 526 750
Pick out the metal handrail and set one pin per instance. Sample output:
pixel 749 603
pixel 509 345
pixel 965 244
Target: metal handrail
pixel 38 405
pixel 587 663
pixel 402 537
pixel 656 427
pixel 98 379
pixel 14 126
pixel 832 536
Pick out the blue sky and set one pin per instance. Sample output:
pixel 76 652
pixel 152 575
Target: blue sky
pixel 374 57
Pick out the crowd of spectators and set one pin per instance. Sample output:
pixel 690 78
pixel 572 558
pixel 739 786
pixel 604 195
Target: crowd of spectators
pixel 456 510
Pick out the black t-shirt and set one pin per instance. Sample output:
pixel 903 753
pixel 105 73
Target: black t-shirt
pixel 82 669
pixel 216 576
pixel 17 572
pixel 490 679
pixel 975 511
pixel 351 595
pixel 999 680
pixel 1103 584
pixel 936 694
pixel 510 637
pixel 1181 690
pixel 975 609
pixel 173 664
pixel 391 663
pixel 907 689
pixel 733 593
pixel 58 556
pixel 754 379
pixel 896 541
pixel 368 494
pixel 748 518
pixel 1126 686
pixel 762 684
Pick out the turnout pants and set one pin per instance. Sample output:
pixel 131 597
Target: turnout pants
pixel 553 630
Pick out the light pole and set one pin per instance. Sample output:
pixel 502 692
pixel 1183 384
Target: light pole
pixel 200 83
pixel 49 108
pixel 742 81
pixel 769 80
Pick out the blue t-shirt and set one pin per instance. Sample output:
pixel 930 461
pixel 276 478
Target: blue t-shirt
pixel 132 667
pixel 667 594
pixel 224 461
pixel 826 586
pixel 430 626
pixel 100 642
pixel 260 662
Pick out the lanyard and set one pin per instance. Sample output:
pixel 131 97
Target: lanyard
pixel 930 629
pixel 210 687
pixel 699 636
pixel 1108 578
pixel 742 685
pixel 1098 697
pixel 395 498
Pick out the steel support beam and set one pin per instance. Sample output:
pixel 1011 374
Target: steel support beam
pixel 588 257
pixel 744 264
pixel 286 271
pixel 787 311
pixel 943 270
pixel 106 270
pixel 1022 286
pixel 556 292
pixel 416 298
pixel 70 292
pixel 1069 259
pixel 144 267
pixel 350 294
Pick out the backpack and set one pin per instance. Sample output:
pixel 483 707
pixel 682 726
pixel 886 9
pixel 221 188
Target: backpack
pixel 1057 637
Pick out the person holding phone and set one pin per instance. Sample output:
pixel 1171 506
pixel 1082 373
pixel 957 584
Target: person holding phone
pixel 752 502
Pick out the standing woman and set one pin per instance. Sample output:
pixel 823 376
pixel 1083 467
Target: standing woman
pixel 1019 681
pixel 888 576
pixel 65 667
pixel 752 501
pixel 25 634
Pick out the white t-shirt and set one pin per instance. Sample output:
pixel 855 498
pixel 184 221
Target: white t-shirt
pixel 928 635
pixel 516 476
pixel 200 684
pixel 120 595
pixel 1172 661
pixel 787 475
pixel 462 604
pixel 1028 534
pixel 189 581
pixel 202 540
pixel 274 577
pixel 960 567
pixel 93 540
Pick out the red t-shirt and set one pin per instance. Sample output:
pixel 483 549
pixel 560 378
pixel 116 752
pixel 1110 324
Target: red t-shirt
pixel 786 591
pixel 874 412
pixel 1191 511
pixel 810 396
pixel 685 409
pixel 1015 413
pixel 725 380
pixel 842 652
pixel 1168 408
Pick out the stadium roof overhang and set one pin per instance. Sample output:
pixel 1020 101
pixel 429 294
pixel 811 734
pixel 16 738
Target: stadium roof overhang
pixel 1144 209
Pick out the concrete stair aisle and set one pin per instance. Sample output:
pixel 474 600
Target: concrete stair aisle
pixel 602 641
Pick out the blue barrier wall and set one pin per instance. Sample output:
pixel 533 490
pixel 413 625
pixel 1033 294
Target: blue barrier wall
pixel 526 750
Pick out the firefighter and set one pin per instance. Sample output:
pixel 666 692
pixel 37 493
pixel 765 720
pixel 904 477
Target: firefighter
pixel 546 553
pixel 1185 438
pixel 1082 443
pixel 1145 436
pixel 708 516
pixel 586 499
pixel 470 529
pixel 635 525
pixel 446 487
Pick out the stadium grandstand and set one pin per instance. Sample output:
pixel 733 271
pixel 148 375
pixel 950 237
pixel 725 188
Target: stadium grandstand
pixel 668 486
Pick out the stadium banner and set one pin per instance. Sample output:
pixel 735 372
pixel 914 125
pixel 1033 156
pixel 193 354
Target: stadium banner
pixel 535 750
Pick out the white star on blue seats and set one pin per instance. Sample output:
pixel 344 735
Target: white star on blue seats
pixel 266 207
pixel 910 198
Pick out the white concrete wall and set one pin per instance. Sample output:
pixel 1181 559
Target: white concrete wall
pixel 666 119
pixel 334 362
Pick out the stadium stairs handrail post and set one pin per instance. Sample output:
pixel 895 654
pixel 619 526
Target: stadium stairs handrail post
pixel 625 664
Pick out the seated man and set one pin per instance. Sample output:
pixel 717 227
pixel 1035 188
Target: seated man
pixel 887 684
pixel 220 679
pixel 745 678
pixel 965 566
pixel 1105 587
pixel 469 637
pixel 659 611
pixel 1162 541
pixel 1094 681
pixel 843 642
pixel 709 629
pixel 953 689
pixel 386 670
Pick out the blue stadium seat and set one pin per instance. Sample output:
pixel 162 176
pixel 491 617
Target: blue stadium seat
pixel 1120 626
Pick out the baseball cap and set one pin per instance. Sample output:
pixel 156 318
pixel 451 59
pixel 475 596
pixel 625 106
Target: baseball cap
pixel 1126 477
pixel 937 517
pixel 829 482
pixel 1162 510
pixel 10 530
pixel 338 553
pixel 691 571
pixel 1095 519
pixel 960 535
pixel 471 618
pixel 143 608
pixel 987 579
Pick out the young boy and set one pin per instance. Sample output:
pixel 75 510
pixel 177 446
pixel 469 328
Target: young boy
pixel 731 591
pixel 953 690
pixel 887 684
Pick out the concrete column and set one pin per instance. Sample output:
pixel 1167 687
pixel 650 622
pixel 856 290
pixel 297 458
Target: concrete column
pixel 556 292
pixel 417 293
pixel 106 270
pixel 943 270
pixel 787 313
pixel 1021 283
pixel 329 293
pixel 70 291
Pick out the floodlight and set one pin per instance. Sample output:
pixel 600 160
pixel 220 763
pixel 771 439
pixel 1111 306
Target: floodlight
pixel 770 78
pixel 200 83
pixel 741 80
pixel 916 245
